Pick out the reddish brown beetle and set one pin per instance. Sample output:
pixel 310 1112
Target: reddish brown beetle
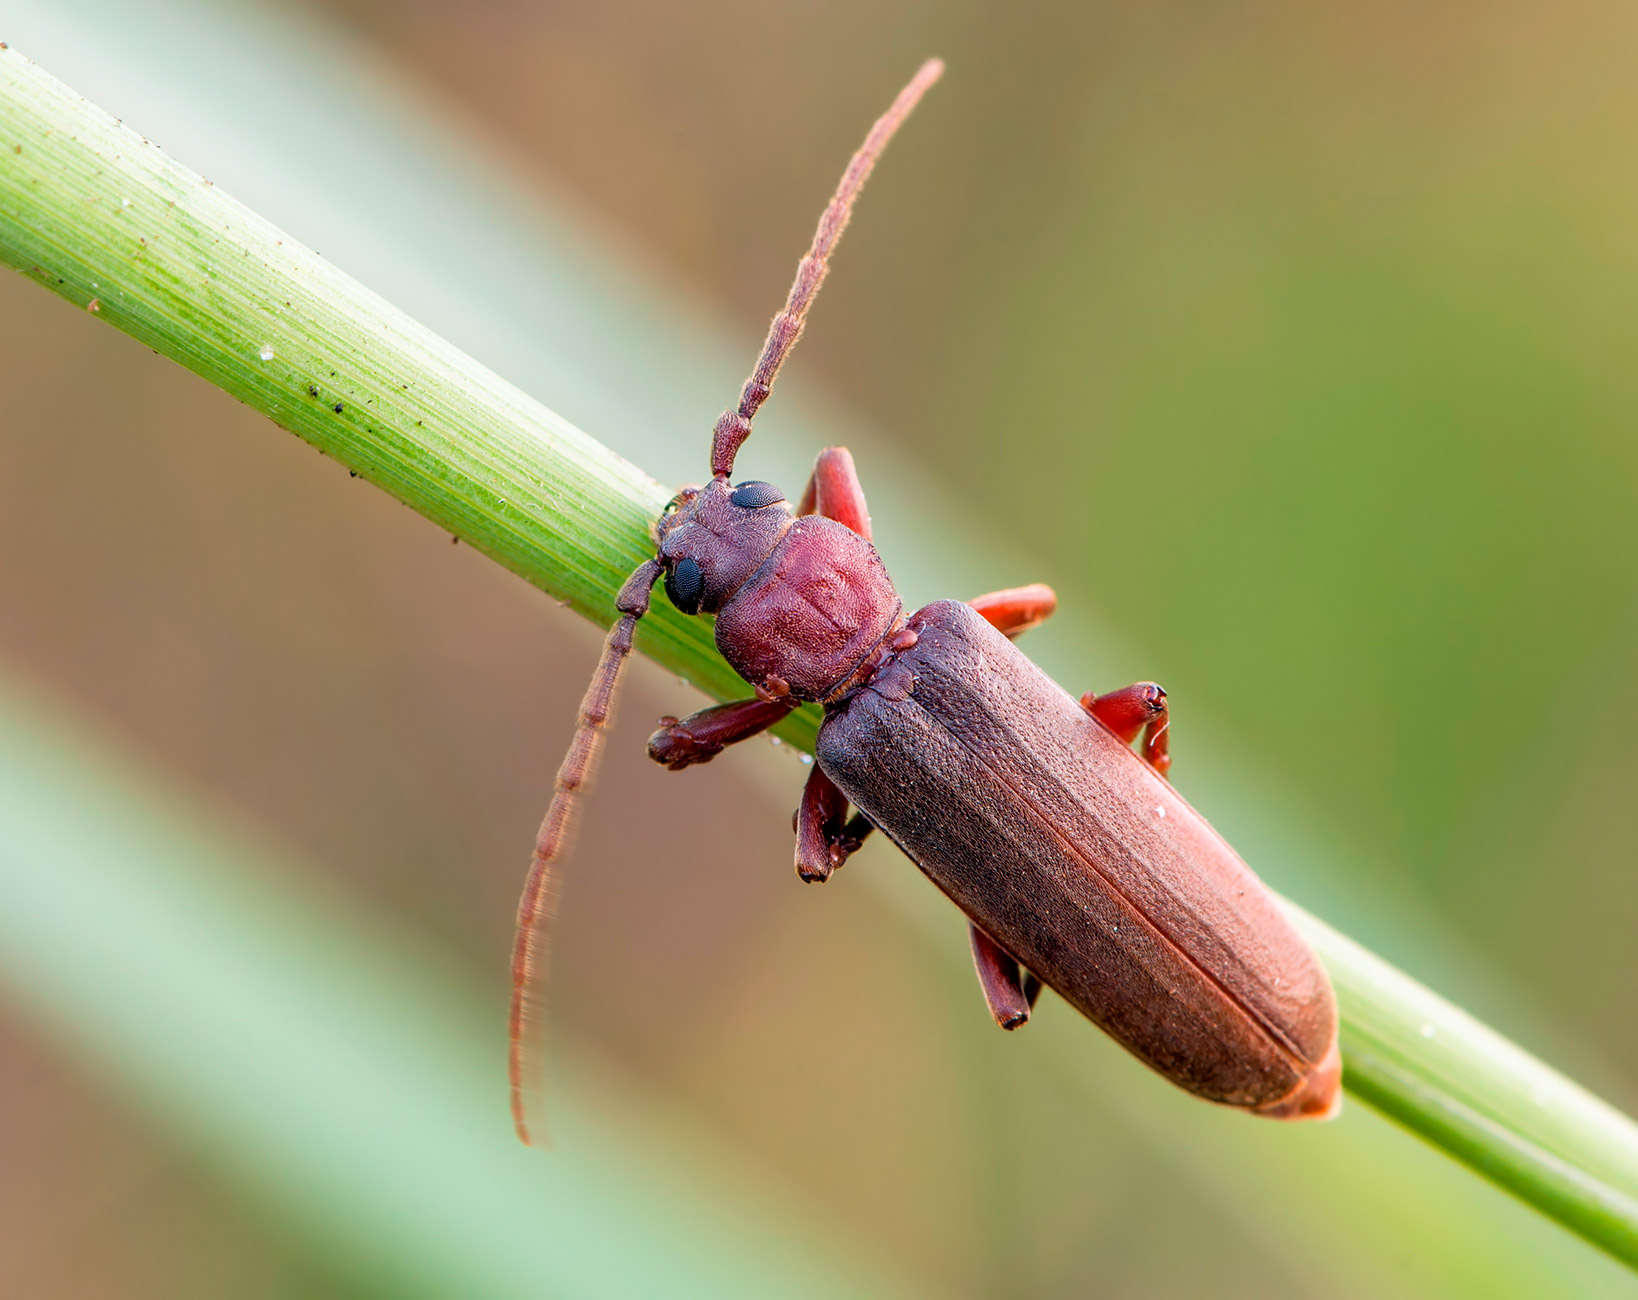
pixel 1078 866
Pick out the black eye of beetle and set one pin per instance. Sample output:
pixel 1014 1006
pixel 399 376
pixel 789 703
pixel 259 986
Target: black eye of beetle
pixel 755 495
pixel 684 584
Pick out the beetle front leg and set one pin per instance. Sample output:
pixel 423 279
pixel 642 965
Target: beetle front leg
pixel 1009 991
pixel 833 491
pixel 1131 710
pixel 825 835
pixel 1017 609
pixel 701 736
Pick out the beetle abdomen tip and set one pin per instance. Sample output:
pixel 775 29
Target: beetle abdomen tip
pixel 1318 1096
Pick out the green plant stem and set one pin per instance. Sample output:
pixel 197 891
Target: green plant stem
pixel 1481 1098
pixel 102 217
pixel 97 214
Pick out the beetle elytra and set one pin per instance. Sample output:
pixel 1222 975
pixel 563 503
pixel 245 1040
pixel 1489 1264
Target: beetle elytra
pixel 1078 867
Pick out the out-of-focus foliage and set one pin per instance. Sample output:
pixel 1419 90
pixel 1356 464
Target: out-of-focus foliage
pixel 308 654
pixel 331 1073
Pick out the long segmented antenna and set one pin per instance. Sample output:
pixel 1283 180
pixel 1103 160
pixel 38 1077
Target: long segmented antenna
pixel 535 907
pixel 733 427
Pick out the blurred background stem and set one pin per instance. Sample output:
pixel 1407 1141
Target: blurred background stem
pixel 334 1071
pixel 100 216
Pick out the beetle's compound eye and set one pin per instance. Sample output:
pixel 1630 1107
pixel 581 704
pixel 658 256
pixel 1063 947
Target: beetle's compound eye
pixel 684 584
pixel 755 495
pixel 672 506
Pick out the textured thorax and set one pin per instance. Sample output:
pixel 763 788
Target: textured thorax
pixel 811 613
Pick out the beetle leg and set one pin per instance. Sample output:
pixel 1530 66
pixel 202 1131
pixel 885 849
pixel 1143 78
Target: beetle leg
pixel 701 736
pixel 825 835
pixel 1017 609
pixel 834 492
pixel 1131 710
pixel 1010 994
pixel 855 833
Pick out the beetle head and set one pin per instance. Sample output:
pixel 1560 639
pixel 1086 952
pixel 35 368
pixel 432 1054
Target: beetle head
pixel 713 538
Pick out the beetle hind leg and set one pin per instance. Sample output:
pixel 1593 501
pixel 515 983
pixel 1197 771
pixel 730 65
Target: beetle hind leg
pixel 1017 609
pixel 1008 990
pixel 1135 709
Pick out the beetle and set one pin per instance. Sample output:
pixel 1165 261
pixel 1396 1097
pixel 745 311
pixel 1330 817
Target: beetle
pixel 1078 867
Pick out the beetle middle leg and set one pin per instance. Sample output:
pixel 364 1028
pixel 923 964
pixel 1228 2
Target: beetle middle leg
pixel 1009 991
pixel 1134 709
pixel 1017 609
pixel 701 736
pixel 834 491
pixel 825 834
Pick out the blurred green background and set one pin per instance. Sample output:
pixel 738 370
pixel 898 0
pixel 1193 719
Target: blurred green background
pixel 1289 345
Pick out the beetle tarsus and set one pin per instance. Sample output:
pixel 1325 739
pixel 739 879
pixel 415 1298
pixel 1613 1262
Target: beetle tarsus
pixel 852 836
pixel 672 746
pixel 1135 709
pixel 701 736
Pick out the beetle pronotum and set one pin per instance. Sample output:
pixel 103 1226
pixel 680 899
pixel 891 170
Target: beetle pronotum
pixel 1077 865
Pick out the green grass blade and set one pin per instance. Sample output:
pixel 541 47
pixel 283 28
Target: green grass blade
pixel 99 215
pixel 1467 1089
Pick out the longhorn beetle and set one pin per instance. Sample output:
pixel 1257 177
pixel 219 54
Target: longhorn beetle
pixel 1078 867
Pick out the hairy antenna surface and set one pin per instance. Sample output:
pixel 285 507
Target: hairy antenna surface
pixel 734 425
pixel 535 907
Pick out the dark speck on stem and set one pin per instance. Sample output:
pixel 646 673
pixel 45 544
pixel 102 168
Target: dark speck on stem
pixel 338 408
